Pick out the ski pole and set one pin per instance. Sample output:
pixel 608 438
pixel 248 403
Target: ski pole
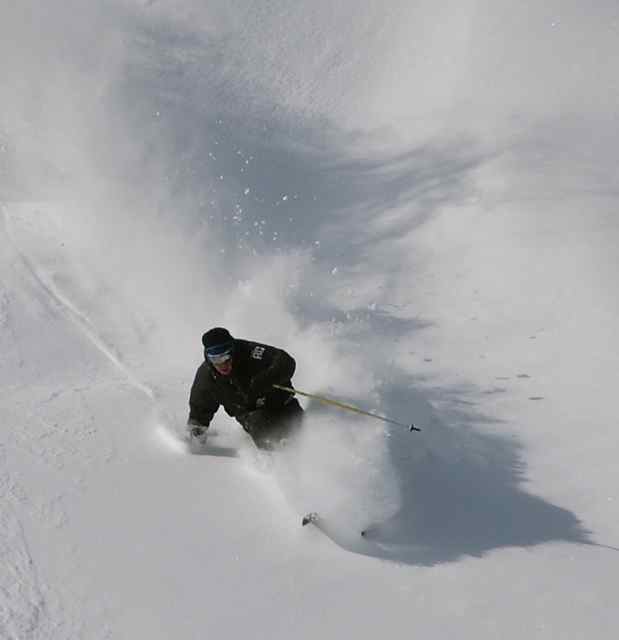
pixel 348 407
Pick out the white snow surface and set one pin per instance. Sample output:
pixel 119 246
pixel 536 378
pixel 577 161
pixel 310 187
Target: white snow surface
pixel 419 201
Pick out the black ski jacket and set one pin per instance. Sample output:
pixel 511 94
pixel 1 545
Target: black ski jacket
pixel 256 368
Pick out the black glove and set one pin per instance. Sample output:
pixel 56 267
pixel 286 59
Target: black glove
pixel 259 386
pixel 196 428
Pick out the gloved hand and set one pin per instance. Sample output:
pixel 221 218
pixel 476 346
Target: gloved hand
pixel 197 438
pixel 258 388
pixel 197 432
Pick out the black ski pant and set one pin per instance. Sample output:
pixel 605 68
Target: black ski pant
pixel 268 427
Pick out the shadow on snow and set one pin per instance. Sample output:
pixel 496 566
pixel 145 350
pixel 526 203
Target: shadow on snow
pixel 461 489
pixel 272 185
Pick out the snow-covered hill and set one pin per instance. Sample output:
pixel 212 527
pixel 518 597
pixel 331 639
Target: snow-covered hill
pixel 419 202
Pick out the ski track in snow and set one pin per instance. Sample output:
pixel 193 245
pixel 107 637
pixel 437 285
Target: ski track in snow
pixel 72 313
pixel 69 310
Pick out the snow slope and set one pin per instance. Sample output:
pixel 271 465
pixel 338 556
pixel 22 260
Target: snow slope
pixel 419 201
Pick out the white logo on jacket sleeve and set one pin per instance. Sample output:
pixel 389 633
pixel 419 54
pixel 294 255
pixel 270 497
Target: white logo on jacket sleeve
pixel 257 353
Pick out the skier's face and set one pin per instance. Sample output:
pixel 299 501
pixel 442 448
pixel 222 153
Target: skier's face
pixel 224 368
pixel 220 356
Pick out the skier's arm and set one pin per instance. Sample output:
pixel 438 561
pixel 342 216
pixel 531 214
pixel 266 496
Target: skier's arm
pixel 279 371
pixel 202 402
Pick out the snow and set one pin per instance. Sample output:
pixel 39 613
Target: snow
pixel 417 200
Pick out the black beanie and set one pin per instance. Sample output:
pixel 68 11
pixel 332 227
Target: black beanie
pixel 215 337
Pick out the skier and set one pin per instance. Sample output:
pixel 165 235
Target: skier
pixel 239 375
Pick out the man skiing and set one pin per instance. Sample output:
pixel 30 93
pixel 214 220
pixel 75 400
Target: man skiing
pixel 239 375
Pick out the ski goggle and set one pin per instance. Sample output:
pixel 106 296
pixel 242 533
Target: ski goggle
pixel 219 354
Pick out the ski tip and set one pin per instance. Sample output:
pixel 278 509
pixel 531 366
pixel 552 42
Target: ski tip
pixel 309 518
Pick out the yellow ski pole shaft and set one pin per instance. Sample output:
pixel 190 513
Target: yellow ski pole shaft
pixel 347 407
